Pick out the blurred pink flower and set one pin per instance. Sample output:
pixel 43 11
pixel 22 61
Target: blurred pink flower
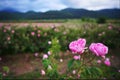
pixel 99 34
pixel 64 32
pixel 77 46
pixel 45 34
pixel 56 30
pixel 4 74
pixel 13 31
pixel 36 54
pixel 42 72
pixel 4 30
pixel 77 57
pixel 103 33
pixel 49 42
pixel 45 56
pixel 32 33
pixel 98 61
pixel 109 27
pixel 98 49
pixel 107 62
pixel 49 53
pixel 38 31
pixel 78 75
pixel 8 38
pixel 0 58
pixel 103 57
pixel 74 71
pixel 38 35
pixel 61 60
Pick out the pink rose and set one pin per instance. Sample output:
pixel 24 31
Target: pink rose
pixel 49 42
pixel 38 35
pixel 42 72
pixel 77 57
pixel 98 61
pixel 110 27
pixel 45 56
pixel 77 46
pixel 98 49
pixel 36 54
pixel 12 31
pixel 61 60
pixel 8 38
pixel 74 71
pixel 107 62
pixel 38 31
pixel 4 30
pixel 49 53
pixel 32 33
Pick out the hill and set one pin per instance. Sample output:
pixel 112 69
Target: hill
pixel 10 14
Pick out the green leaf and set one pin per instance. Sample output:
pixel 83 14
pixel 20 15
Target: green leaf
pixel 46 62
pixel 70 63
pixel 6 69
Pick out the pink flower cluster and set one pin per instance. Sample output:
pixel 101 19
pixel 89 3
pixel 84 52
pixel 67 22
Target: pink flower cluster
pixel 97 49
pixel 107 62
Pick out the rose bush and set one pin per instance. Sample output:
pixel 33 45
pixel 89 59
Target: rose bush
pixel 84 59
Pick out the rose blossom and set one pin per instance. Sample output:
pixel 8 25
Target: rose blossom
pixel 49 53
pixel 74 72
pixel 32 33
pixel 77 57
pixel 98 61
pixel 42 72
pixel 61 60
pixel 38 35
pixel 98 49
pixel 45 56
pixel 107 62
pixel 77 46
pixel 4 30
pixel 8 38
pixel 99 34
pixel 118 70
pixel 12 31
pixel 109 27
pixel 36 54
pixel 49 42
pixel 38 31
pixel 78 75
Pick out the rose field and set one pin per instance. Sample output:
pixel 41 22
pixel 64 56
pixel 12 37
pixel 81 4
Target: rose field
pixel 71 49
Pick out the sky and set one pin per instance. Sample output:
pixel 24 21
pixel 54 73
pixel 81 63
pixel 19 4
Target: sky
pixel 45 5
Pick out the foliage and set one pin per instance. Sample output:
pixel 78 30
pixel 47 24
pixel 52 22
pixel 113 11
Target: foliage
pixel 101 20
pixel 21 41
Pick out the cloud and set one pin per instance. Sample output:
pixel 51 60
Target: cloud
pixel 92 4
pixel 44 5
pixel 36 5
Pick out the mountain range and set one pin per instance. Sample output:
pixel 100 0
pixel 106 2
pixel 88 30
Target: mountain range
pixel 68 13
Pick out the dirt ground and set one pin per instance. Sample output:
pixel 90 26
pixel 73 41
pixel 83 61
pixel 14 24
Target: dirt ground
pixel 24 63
pixel 45 25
